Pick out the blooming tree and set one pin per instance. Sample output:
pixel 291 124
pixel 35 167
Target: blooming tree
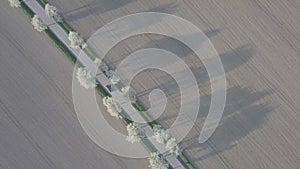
pixel 14 3
pixel 77 42
pixel 160 134
pixel 38 24
pixel 134 134
pixel 172 146
pixel 98 61
pixel 163 137
pixel 85 78
pixel 157 162
pixel 113 108
pixel 52 11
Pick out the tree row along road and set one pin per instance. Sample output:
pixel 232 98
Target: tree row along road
pixel 39 128
pixel 85 60
pixel 258 42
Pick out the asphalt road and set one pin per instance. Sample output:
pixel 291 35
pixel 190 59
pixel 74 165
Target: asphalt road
pixel 38 125
pixel 258 42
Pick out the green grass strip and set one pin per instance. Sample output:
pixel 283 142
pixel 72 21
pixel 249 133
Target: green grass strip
pixel 152 122
pixel 148 145
pixel 185 162
pixel 63 24
pixel 61 46
pixel 27 10
pixel 99 88
pixel 66 26
pixel 145 115
pixel 138 106
pixel 126 120
pixel 102 91
pixel 90 53
pixel 42 3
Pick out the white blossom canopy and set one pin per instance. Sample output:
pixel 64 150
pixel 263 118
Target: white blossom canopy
pixel 85 78
pixel 172 146
pixel 14 3
pixel 98 61
pixel 52 11
pixel 77 42
pixel 38 24
pixel 160 134
pixel 156 162
pixel 163 137
pixel 113 108
pixel 134 135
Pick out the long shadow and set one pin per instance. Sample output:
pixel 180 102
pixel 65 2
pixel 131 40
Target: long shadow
pixel 231 60
pixel 173 45
pixel 95 7
pixel 243 114
pixel 124 48
pixel 166 8
pixel 212 33
pixel 161 42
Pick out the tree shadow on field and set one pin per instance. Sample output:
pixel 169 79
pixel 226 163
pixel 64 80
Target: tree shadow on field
pixel 175 46
pixel 231 60
pixel 245 110
pixel 166 8
pixel 94 8
pixel 138 42
pixel 244 113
